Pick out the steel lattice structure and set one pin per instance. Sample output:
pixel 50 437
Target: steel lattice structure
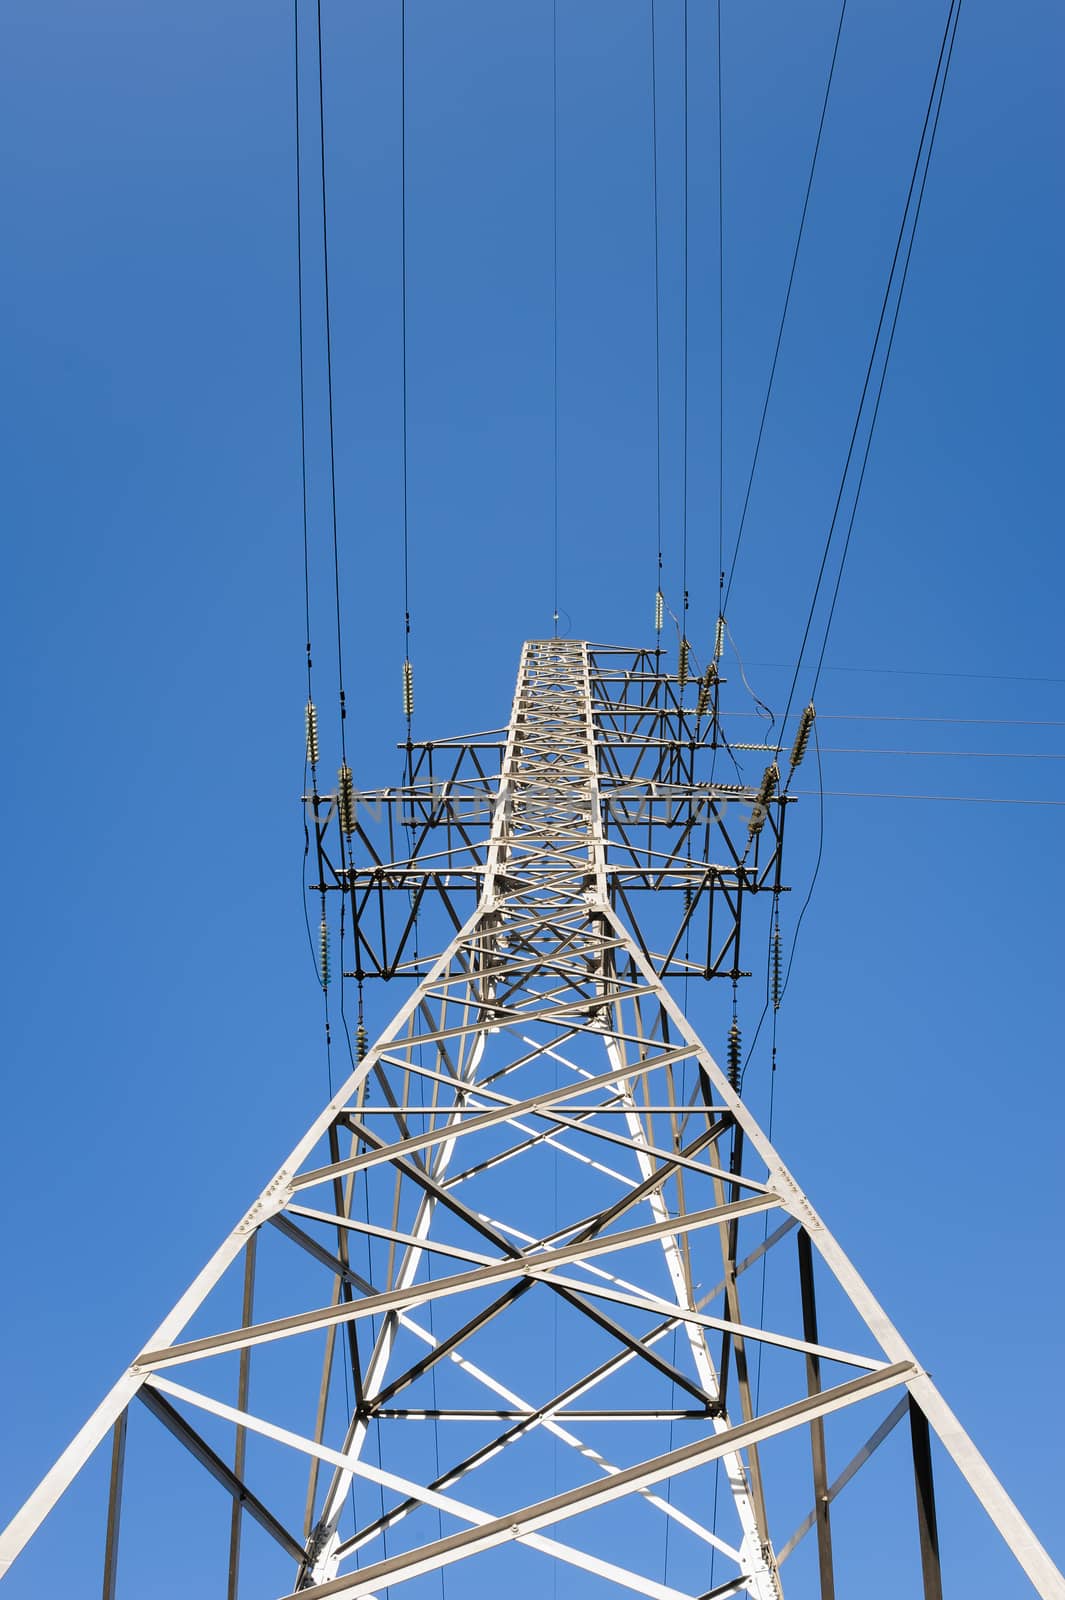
pixel 504 1271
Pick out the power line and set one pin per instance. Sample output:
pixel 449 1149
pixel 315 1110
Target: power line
pixel 989 755
pixel 876 716
pixel 407 672
pixel 720 326
pixel 938 83
pixel 307 765
pixel 784 312
pixel 658 316
pixel 915 672
pixel 881 750
pixel 303 380
pixel 329 387
pixel 952 799
pixel 554 267
pixel 887 354
pixel 684 497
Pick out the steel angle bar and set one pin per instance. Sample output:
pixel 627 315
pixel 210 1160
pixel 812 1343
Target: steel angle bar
pixel 438 1191
pixel 416 1294
pixel 325 1258
pixel 536 1053
pixel 931 1575
pixel 541 1416
pixel 858 1460
pixel 624 1285
pixel 390 1480
pixel 528 1413
pixel 480 1092
pixel 630 1342
pixel 700 1319
pixel 546 1513
pixel 233 1485
pixel 547 1096
pixel 240 1451
pixel 376 1231
pixel 502 1018
pixel 826 1568
pixel 611 1110
pixel 704 1299
pixel 506 968
pixel 545 1136
pixel 673 1158
pixel 449 1078
pixel 114 1504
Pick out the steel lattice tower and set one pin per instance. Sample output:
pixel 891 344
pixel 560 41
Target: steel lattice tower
pixel 494 1304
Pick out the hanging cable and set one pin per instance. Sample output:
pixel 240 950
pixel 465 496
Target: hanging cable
pixel 554 317
pixel 324 927
pixel 784 312
pixel 408 670
pixel 971 755
pixel 924 148
pixel 916 672
pixel 720 346
pixel 887 355
pixel 329 391
pixel 658 324
pixel 310 714
pixel 684 493
pixel 897 716
pixel 312 745
pixel 951 799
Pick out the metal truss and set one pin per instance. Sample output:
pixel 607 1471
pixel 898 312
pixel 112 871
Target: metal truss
pixel 665 825
pixel 495 1303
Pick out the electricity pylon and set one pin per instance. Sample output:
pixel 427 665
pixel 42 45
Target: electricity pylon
pixel 495 1334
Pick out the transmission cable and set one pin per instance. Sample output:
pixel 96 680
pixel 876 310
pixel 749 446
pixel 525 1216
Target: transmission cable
pixel 684 492
pixel 310 764
pixel 720 342
pixel 916 672
pixel 974 755
pixel 898 716
pixel 658 327
pixel 938 84
pixel 951 799
pixel 784 312
pixel 887 356
pixel 554 302
pixel 408 670
pixel 329 391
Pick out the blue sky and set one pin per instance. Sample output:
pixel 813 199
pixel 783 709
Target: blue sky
pixel 162 1025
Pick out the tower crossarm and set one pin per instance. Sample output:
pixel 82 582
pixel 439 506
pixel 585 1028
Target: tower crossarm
pixel 668 822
